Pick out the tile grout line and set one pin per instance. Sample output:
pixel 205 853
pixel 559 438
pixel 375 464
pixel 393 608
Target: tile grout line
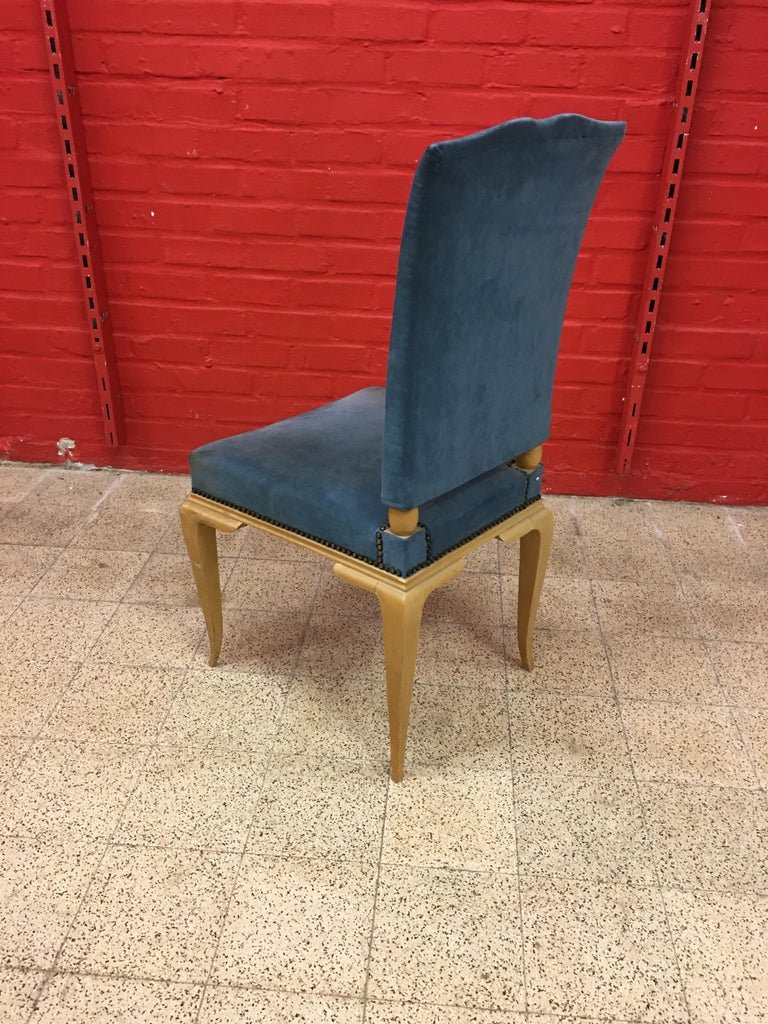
pixel 377 881
pixel 641 804
pixel 639 795
pixel 265 774
pixel 705 642
pixel 108 845
pixel 507 629
pixel 50 973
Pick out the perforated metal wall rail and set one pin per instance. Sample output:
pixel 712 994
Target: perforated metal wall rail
pixel 58 46
pixel 663 224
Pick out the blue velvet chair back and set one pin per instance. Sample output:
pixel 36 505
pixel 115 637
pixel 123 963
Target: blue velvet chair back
pixel 492 231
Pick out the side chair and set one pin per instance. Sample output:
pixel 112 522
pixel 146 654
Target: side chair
pixel 398 485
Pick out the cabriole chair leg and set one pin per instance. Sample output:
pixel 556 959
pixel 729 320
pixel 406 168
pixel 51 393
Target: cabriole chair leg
pixel 401 610
pixel 534 556
pixel 401 622
pixel 199 529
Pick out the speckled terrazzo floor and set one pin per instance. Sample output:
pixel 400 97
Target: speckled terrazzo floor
pixel 179 843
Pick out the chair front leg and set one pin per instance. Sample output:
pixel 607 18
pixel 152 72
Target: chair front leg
pixel 401 610
pixel 535 546
pixel 401 613
pixel 199 526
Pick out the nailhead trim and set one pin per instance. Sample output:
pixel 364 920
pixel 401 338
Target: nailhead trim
pixel 379 560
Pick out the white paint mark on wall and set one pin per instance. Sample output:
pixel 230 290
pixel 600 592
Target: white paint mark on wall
pixel 65 446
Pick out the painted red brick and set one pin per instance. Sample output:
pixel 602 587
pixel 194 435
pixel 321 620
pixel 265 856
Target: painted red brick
pixel 251 164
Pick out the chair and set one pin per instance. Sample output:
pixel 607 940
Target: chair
pixel 398 485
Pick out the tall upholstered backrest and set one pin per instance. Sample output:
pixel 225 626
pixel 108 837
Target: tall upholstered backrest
pixel 492 231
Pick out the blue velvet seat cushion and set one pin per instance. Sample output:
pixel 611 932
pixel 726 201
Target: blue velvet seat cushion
pixel 319 474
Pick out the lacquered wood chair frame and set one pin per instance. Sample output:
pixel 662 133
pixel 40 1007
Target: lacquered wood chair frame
pixel 401 600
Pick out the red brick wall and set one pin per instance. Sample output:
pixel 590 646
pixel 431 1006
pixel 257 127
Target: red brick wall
pixel 252 160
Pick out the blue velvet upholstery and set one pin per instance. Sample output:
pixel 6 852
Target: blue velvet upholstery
pixel 320 475
pixel 491 235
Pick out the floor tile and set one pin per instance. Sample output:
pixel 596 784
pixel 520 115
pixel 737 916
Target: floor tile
pixel 564 507
pixel 17 481
pixel 224 1005
pixel 689 519
pixel 8 606
pixel 302 680
pixel 153 488
pixel 298 924
pixel 470 598
pixel 729 611
pixel 686 743
pixel 168 580
pixel 29 691
pixel 599 951
pixel 53 630
pixel 114 703
pixel 703 541
pixel 638 559
pixel 564 662
pixel 121 526
pixel 612 517
pixel 193 799
pixel 458 727
pixel 65 790
pixel 752 526
pixel 566 558
pixel 742 670
pixel 336 597
pixel 22 565
pixel 229 545
pixel 639 609
pixel 144 635
pixel 565 603
pixel 484 559
pixel 326 719
pixel 222 710
pixel 720 943
pixel 452 819
pixel 327 809
pixel 723 557
pixel 91 575
pixel 17 991
pixel 567 735
pixel 447 937
pixel 152 914
pixel 30 521
pixel 263 641
pixel 667 669
pixel 753 725
pixel 708 838
pixel 72 999
pixel 412 1013
pixel 461 653
pixel 75 487
pixel 274 584
pixel 587 829
pixel 12 750
pixel 339 648
pixel 41 886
